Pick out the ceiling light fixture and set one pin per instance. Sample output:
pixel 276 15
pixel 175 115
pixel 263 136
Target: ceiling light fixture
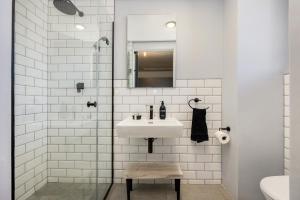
pixel 171 24
pixel 80 27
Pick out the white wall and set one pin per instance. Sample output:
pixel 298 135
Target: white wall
pixel 295 99
pixel 199 35
pixel 5 100
pixel 287 124
pixel 260 60
pixel 230 98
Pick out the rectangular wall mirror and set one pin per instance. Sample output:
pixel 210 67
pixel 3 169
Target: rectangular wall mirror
pixel 151 50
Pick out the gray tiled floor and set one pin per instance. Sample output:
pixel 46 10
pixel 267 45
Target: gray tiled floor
pixel 166 192
pixel 69 191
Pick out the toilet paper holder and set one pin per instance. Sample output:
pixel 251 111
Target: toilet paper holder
pixel 228 129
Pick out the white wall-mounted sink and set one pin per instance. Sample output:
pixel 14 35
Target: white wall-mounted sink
pixel 169 128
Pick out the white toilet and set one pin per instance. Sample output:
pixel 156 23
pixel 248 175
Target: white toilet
pixel 275 187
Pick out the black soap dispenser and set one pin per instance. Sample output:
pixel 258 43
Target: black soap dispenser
pixel 162 111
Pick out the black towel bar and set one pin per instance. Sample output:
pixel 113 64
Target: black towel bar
pixel 196 100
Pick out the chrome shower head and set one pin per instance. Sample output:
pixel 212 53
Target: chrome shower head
pixel 67 7
pixel 97 44
pixel 105 39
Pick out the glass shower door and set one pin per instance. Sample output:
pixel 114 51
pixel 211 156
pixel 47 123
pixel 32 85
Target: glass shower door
pixel 105 115
pixel 80 78
pixel 73 117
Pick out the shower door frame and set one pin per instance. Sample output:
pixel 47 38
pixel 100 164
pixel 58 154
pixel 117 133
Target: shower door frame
pixel 112 110
pixel 13 21
pixel 13 107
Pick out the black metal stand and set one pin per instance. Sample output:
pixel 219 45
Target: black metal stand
pixel 177 188
pixel 129 188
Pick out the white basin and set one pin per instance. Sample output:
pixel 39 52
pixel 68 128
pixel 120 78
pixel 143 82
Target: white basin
pixel 169 128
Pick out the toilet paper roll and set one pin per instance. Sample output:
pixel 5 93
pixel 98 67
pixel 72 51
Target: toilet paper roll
pixel 223 137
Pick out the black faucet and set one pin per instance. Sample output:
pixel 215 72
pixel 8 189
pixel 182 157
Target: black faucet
pixel 151 112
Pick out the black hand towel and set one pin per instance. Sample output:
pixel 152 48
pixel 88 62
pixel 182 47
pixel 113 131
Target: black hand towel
pixel 199 127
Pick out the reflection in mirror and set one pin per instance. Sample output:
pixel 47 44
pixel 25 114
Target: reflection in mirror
pixel 151 47
pixel 154 68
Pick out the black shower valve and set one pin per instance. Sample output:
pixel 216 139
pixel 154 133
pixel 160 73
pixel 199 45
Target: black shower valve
pixel 79 87
pixel 89 104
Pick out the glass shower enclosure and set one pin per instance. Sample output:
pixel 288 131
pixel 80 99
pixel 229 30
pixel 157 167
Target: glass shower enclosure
pixel 63 74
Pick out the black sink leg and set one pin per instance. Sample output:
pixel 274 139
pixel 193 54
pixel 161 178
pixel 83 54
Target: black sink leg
pixel 150 145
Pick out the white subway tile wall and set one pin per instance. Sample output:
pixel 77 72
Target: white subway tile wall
pixel 201 163
pixel 30 96
pixel 72 125
pixel 51 56
pixel 287 124
pixel 56 132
